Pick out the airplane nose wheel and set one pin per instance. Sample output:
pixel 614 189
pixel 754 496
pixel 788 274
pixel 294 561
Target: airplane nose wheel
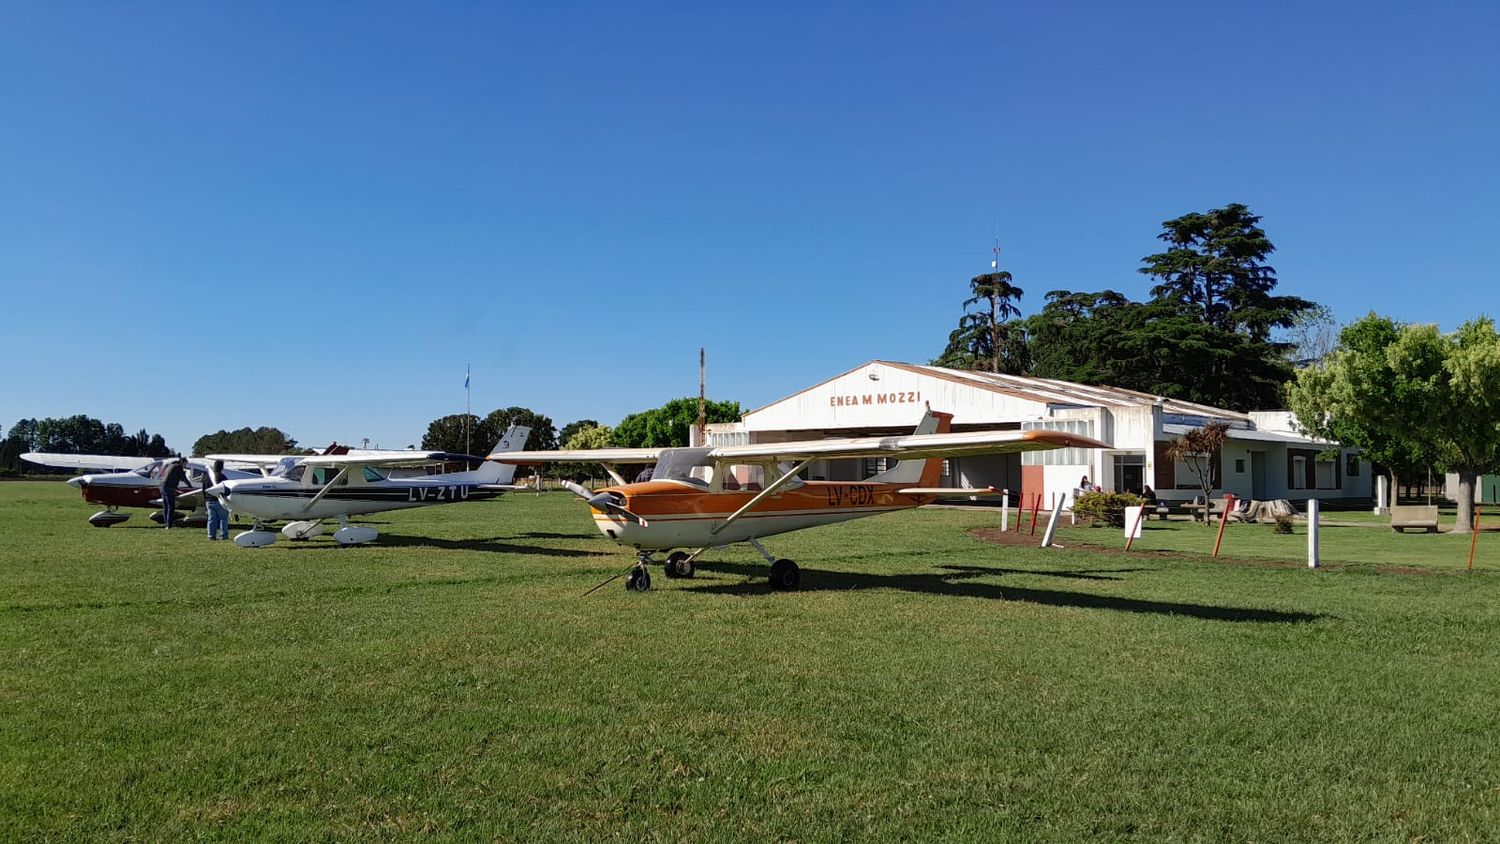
pixel 785 575
pixel 639 580
pixel 679 564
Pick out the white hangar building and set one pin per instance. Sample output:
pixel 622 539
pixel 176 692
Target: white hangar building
pixel 1266 457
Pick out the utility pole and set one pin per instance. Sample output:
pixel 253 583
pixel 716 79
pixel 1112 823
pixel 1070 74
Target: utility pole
pixel 702 398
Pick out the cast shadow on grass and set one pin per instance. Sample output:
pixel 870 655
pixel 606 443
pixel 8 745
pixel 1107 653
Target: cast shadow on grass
pixel 219 601
pixel 493 544
pixel 547 534
pixel 956 581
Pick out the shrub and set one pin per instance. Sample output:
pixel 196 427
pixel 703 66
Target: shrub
pixel 1105 508
pixel 1283 523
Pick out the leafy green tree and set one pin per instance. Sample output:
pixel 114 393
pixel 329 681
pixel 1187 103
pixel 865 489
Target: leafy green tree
pixel 543 433
pixel 1201 448
pixel 990 339
pixel 1412 387
pixel 446 433
pixel 1332 399
pixel 262 440
pixel 1155 347
pixel 78 434
pixel 566 434
pixel 667 426
pixel 585 437
pixel 27 433
pixel 1215 269
pixel 1205 336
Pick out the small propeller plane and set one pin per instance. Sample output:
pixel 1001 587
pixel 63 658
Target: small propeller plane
pixel 705 498
pixel 337 486
pixel 136 481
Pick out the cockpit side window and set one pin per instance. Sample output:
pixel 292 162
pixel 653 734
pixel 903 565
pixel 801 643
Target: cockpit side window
pixel 322 475
pixel 372 474
pixel 688 465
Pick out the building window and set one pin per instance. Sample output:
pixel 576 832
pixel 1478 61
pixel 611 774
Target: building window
pixel 1239 465
pixel 1326 470
pixel 1299 472
pixel 1351 465
pixel 1059 456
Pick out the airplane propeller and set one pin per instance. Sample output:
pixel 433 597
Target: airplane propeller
pixel 603 501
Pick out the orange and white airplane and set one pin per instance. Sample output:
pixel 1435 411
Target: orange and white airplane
pixel 703 498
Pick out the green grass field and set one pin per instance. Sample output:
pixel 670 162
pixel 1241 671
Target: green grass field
pixel 922 685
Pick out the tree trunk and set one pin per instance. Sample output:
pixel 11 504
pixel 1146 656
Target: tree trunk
pixel 1465 499
pixel 995 331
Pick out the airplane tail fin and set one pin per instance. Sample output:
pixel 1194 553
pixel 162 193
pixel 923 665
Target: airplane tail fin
pixel 927 473
pixel 503 473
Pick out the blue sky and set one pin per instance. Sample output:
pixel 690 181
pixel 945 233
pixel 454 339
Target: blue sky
pixel 313 215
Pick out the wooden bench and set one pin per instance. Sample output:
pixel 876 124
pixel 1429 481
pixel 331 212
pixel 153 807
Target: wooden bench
pixel 1414 516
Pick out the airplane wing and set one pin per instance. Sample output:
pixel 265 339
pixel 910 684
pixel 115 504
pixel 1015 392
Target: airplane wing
pixel 107 462
pixel 909 446
pixel 403 458
pixel 580 455
pixel 245 459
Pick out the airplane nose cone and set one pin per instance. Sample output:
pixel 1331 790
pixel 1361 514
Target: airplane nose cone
pixel 81 481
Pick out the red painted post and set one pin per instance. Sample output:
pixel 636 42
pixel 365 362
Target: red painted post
pixel 1223 518
pixel 1130 537
pixel 1474 540
pixel 1036 504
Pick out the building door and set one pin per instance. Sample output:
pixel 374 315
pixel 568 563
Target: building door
pixel 1258 475
pixel 1130 473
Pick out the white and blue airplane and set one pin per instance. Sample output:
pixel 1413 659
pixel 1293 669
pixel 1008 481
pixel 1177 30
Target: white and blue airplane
pixel 337 486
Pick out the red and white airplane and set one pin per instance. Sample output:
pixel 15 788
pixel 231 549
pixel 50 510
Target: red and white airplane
pixel 703 498
pixel 136 481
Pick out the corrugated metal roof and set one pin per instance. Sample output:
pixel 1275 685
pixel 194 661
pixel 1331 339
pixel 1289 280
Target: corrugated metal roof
pixel 1051 391
pixel 1250 434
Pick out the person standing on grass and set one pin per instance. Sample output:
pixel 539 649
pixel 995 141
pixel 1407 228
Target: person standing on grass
pixel 172 477
pixel 218 514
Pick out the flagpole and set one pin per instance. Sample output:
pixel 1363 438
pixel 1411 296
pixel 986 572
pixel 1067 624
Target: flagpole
pixel 468 408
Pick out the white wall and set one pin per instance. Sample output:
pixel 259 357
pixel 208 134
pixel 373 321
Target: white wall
pixel 894 398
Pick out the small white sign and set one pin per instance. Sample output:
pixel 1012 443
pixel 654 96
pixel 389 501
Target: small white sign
pixel 1133 521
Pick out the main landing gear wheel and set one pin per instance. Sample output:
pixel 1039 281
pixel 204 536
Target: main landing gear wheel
pixel 679 564
pixel 639 580
pixel 785 575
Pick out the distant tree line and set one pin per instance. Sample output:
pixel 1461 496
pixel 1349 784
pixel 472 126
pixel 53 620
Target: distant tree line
pixel 1208 334
pixel 262 440
pixel 660 427
pixel 77 434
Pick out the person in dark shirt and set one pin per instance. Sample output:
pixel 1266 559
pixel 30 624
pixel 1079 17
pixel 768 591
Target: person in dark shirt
pixel 218 514
pixel 172 477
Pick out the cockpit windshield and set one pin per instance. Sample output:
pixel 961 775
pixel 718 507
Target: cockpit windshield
pixel 150 470
pixel 689 465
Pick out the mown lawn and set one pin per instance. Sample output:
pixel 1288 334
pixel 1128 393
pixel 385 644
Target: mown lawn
pixel 1345 540
pixel 923 684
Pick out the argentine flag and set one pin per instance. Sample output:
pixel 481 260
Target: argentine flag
pixel 466 379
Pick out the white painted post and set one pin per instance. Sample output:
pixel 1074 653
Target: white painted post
pixel 1133 521
pixel 1382 495
pixel 1004 510
pixel 1312 533
pixel 1052 523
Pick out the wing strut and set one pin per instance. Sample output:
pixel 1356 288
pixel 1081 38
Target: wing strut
pixel 324 491
pixel 770 488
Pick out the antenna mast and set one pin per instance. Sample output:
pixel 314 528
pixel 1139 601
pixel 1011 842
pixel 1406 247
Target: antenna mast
pixel 702 400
